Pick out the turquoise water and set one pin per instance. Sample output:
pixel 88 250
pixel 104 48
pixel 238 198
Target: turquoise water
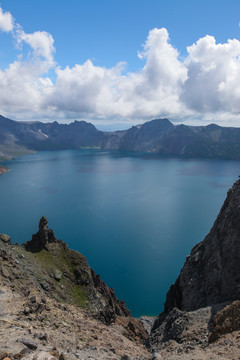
pixel 135 217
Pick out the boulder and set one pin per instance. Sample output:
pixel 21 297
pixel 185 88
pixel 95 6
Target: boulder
pixel 57 275
pixel 5 238
pixel 28 343
pixel 226 321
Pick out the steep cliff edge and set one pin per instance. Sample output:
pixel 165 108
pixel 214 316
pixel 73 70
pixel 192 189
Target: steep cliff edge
pixel 211 274
pixel 66 275
pixel 203 304
pixel 51 301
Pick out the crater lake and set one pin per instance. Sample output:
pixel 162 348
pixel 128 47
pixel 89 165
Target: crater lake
pixel 134 216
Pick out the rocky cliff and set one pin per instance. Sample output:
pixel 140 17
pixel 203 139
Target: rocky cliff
pixel 51 301
pixel 211 274
pixel 67 276
pixel 203 303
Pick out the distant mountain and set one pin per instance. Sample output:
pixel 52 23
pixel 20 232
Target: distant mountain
pixel 158 136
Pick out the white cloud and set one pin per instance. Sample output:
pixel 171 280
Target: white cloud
pixel 40 41
pixel 88 89
pixel 22 89
pixel 6 21
pixel 205 85
pixel 213 83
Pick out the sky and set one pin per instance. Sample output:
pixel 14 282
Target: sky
pixel 117 63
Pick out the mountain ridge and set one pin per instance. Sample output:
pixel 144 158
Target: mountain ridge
pixel 158 136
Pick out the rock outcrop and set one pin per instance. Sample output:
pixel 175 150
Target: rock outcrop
pixel 42 238
pixel 211 274
pixel 69 276
pixel 56 307
pixel 200 306
pixel 5 238
pixel 226 321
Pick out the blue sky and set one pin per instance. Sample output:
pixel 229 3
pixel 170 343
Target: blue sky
pixel 120 61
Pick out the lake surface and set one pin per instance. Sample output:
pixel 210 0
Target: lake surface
pixel 135 217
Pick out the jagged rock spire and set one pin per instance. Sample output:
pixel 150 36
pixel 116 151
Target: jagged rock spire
pixel 42 238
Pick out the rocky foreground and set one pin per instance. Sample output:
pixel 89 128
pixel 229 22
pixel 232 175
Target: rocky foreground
pixel 54 306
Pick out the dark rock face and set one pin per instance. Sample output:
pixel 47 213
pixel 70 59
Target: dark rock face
pixel 42 238
pixel 118 307
pixel 211 274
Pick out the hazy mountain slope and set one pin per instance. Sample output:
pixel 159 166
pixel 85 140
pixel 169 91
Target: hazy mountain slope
pixel 158 136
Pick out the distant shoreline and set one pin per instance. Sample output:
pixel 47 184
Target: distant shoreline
pixel 3 169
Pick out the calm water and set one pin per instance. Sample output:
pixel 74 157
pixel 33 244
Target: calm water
pixel 135 217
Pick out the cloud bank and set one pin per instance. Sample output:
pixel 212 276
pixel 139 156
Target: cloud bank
pixel 204 86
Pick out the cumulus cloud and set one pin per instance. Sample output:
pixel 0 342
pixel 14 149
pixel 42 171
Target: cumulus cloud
pixel 205 85
pixel 21 89
pixel 154 90
pixel 6 21
pixel 40 41
pixel 213 83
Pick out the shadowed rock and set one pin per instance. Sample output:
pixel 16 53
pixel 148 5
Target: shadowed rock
pixel 211 274
pixel 42 238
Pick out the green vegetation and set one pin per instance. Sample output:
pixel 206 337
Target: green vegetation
pixel 67 262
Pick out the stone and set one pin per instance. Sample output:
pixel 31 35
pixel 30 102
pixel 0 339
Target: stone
pixel 5 238
pixel 45 285
pixel 226 321
pixel 62 356
pixel 3 354
pixel 125 357
pixel 5 272
pixel 25 351
pixel 147 322
pixel 28 343
pixel 33 299
pixel 156 356
pixel 26 310
pixel 57 275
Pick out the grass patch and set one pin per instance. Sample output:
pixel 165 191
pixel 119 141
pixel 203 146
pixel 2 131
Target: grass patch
pixel 67 261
